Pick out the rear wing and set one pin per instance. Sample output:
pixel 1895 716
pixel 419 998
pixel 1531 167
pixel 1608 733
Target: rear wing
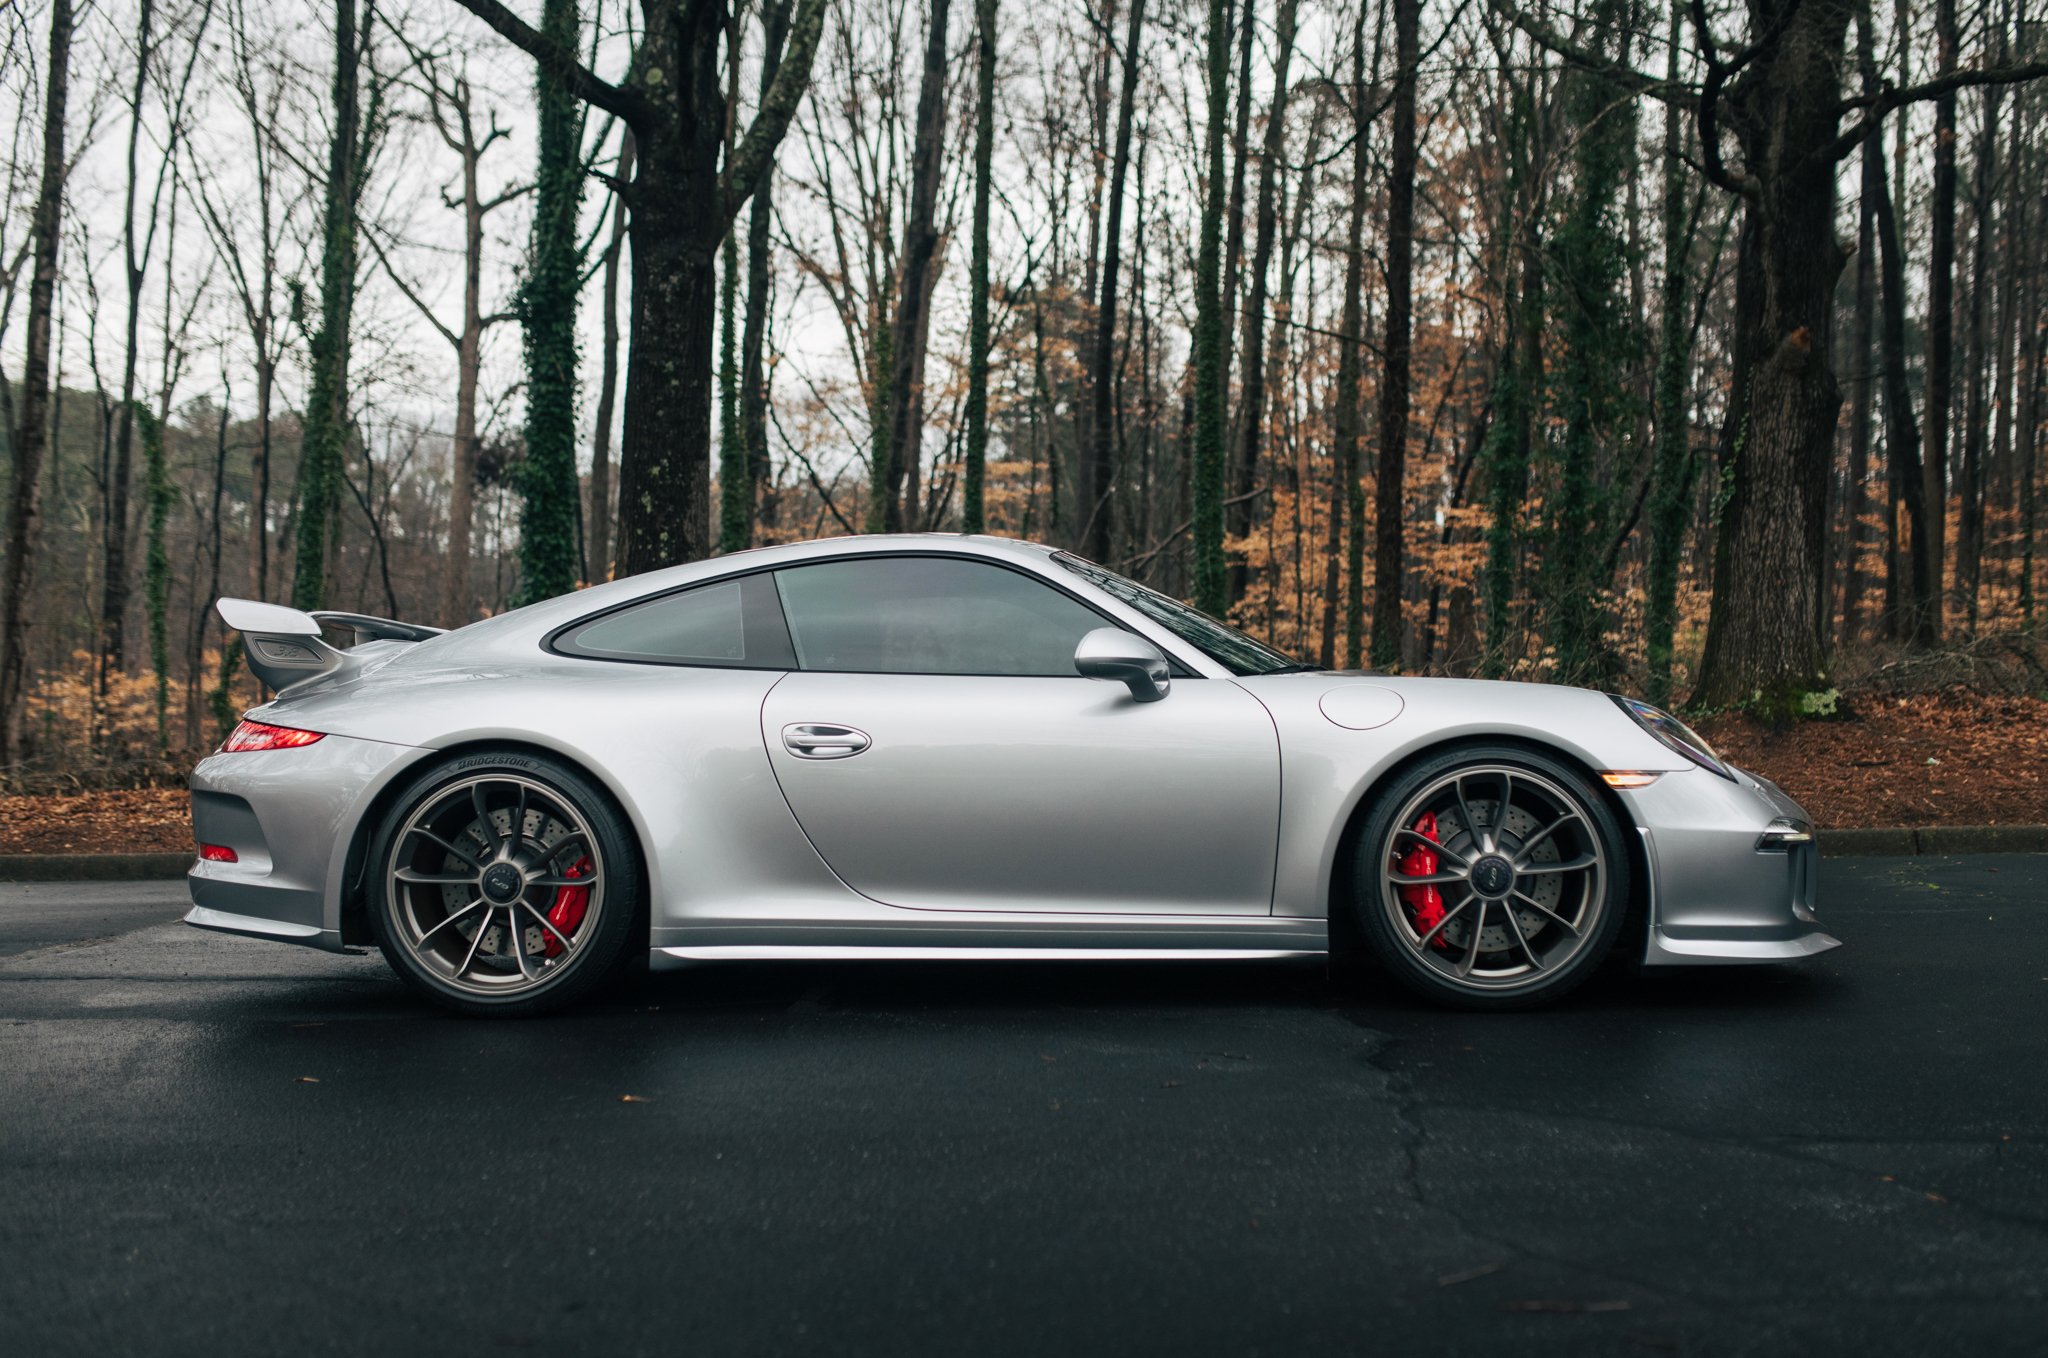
pixel 284 646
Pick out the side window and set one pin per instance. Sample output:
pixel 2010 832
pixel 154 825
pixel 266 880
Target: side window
pixel 930 615
pixel 736 624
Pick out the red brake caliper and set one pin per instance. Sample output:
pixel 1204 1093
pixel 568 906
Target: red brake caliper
pixel 1426 901
pixel 567 911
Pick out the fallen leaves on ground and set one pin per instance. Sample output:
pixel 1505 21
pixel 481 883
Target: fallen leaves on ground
pixel 1951 758
pixel 139 820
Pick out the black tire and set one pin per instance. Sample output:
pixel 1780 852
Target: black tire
pixel 568 831
pixel 1543 928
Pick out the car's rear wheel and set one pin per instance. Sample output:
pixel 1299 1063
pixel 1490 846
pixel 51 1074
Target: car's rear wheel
pixel 1491 878
pixel 504 884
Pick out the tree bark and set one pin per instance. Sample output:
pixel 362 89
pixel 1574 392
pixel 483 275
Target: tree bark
pixel 1672 473
pixel 1941 293
pixel 1266 223
pixel 326 415
pixel 1861 328
pixel 30 433
pixel 1212 584
pixel 601 514
pixel 1097 470
pixel 1389 513
pixel 754 327
pixel 1763 649
pixel 973 513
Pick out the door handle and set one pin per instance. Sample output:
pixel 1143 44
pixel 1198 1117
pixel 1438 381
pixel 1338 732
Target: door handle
pixel 823 740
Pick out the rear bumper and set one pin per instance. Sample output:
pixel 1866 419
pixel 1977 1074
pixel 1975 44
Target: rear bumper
pixel 1731 879
pixel 289 816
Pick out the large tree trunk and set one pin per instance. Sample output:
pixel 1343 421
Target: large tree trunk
pixel 550 498
pixel 1941 300
pixel 1390 517
pixel 681 206
pixel 30 434
pixel 327 404
pixel 1097 471
pixel 1764 649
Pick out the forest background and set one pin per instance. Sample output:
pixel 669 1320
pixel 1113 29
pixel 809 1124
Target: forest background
pixel 1696 350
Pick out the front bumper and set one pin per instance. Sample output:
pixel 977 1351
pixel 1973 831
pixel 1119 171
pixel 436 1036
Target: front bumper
pixel 1731 878
pixel 289 816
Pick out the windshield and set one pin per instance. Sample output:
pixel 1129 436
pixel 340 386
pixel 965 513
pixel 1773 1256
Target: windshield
pixel 1222 643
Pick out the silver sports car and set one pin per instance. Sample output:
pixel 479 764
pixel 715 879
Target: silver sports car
pixel 956 747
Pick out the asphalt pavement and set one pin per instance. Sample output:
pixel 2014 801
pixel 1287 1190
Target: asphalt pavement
pixel 211 1145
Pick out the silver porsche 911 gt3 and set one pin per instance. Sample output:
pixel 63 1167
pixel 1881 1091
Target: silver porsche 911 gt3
pixel 955 747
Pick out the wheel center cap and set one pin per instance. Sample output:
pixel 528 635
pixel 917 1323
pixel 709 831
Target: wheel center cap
pixel 502 881
pixel 1493 876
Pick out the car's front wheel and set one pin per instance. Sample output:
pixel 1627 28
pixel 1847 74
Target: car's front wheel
pixel 504 884
pixel 1491 878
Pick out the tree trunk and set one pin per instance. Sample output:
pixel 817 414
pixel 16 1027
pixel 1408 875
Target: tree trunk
pixel 601 515
pixel 30 434
pixel 325 427
pixel 1211 581
pixel 1976 408
pixel 550 497
pixel 1345 420
pixel 1764 650
pixel 1097 472
pixel 1672 474
pixel 1252 414
pixel 1860 330
pixel 1390 516
pixel 754 327
pixel 114 544
pixel 972 511
pixel 1941 293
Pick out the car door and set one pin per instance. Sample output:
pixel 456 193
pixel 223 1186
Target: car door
pixel 941 753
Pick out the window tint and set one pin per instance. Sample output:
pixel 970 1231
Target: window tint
pixel 930 615
pixel 734 623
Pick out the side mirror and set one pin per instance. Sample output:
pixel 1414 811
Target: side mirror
pixel 1112 653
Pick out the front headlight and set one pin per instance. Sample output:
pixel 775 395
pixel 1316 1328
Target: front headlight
pixel 1673 734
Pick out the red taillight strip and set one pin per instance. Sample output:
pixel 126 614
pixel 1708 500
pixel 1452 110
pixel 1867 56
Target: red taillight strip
pixel 256 735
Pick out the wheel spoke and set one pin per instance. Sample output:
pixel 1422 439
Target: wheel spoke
pixel 1559 920
pixel 1438 927
pixel 1472 948
pixel 546 923
pixel 1398 879
pixel 416 878
pixel 1465 809
pixel 1516 926
pixel 1500 813
pixel 476 942
pixel 463 854
pixel 550 852
pixel 558 881
pixel 452 918
pixel 1584 860
pixel 1529 844
pixel 517 940
pixel 517 834
pixel 483 816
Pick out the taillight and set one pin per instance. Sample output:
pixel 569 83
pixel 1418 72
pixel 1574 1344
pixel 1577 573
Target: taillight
pixel 218 853
pixel 256 735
